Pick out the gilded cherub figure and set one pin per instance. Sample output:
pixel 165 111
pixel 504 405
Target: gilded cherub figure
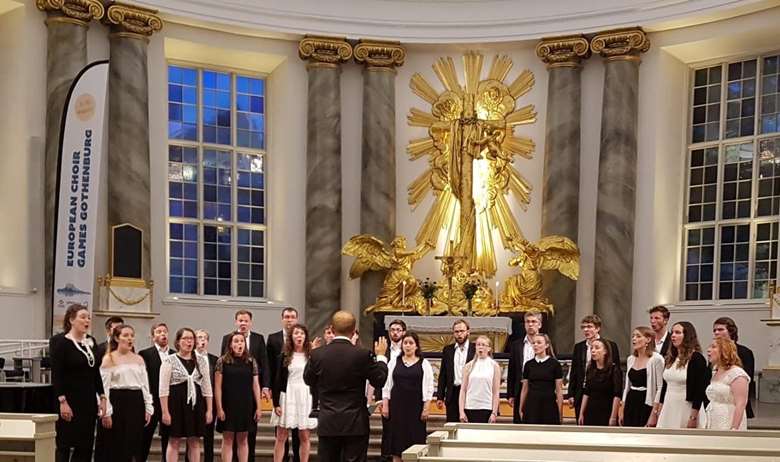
pixel 523 291
pixel 400 290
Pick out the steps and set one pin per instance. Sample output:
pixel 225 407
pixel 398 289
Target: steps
pixel 265 440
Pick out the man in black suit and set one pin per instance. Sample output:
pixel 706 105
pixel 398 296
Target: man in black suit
pixel 659 320
pixel 276 342
pixel 591 329
pixel 725 327
pixel 256 348
pixel 338 373
pixel 521 352
pixel 100 351
pixel 395 332
pixel 453 357
pixel 202 349
pixel 153 357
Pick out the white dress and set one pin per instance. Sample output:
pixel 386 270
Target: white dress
pixel 296 400
pixel 720 411
pixel 676 410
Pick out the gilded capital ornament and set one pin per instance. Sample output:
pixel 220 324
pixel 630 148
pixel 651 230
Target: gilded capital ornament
pixel 380 54
pixel 620 44
pixel 324 50
pixel 76 11
pixel 563 51
pixel 132 20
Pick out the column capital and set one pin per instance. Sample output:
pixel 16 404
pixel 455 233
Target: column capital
pixel 79 12
pixel 380 55
pixel 620 44
pixel 566 51
pixel 132 21
pixel 324 51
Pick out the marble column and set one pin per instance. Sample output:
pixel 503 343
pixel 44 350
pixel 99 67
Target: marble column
pixel 323 177
pixel 129 199
pixel 614 265
pixel 377 192
pixel 66 54
pixel 561 181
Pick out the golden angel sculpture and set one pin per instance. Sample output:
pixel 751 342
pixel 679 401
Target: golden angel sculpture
pixel 523 291
pixel 400 290
pixel 471 147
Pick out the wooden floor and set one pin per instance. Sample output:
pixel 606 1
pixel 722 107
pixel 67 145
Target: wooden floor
pixel 767 418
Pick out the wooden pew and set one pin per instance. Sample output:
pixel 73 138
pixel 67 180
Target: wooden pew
pixel 471 442
pixel 27 437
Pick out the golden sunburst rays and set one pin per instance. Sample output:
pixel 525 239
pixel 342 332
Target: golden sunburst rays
pixel 451 126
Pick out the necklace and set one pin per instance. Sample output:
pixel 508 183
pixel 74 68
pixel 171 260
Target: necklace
pixel 86 350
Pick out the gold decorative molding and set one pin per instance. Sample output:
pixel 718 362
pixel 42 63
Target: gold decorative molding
pixel 620 44
pixel 384 55
pixel 566 51
pixel 74 11
pixel 132 21
pixel 324 51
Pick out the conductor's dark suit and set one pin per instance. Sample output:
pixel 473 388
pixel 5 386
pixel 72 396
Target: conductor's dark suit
pixel 338 372
pixel 256 350
pixel 275 352
pixel 447 391
pixel 749 365
pixel 152 361
pixel 577 371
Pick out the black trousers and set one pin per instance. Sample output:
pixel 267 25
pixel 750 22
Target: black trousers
pixel 343 448
pixel 296 445
pixel 149 434
pixel 516 409
pixel 453 405
pixel 478 415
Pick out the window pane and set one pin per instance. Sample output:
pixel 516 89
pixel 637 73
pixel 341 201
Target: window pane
pixel 251 262
pixel 217 180
pixel 698 260
pixel 765 258
pixel 216 260
pixel 251 188
pixel 734 261
pixel 182 181
pixel 250 112
pixel 737 181
pixel 182 83
pixel 741 99
pixel 768 177
pixel 702 185
pixel 216 107
pixel 183 266
pixel 705 124
pixel 770 95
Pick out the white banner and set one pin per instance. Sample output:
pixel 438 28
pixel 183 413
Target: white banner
pixel 83 143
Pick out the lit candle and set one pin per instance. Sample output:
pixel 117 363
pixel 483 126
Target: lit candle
pixel 403 294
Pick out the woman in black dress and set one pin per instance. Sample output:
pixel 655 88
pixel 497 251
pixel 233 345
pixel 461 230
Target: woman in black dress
pixel 130 403
pixel 643 380
pixel 76 382
pixel 236 384
pixel 184 385
pixel 603 387
pixel 541 398
pixel 407 395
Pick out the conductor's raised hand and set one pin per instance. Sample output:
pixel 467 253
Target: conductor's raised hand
pixel 380 346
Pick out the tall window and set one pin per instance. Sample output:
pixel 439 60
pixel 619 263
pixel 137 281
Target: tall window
pixel 216 183
pixel 733 187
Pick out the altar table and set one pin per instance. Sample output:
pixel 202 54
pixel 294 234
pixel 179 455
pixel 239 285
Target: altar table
pixel 436 331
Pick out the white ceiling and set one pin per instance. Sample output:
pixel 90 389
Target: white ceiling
pixel 448 21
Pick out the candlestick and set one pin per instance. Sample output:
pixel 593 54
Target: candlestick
pixel 403 295
pixel 497 284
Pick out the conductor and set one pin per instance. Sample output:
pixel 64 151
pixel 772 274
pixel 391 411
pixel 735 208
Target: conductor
pixel 338 373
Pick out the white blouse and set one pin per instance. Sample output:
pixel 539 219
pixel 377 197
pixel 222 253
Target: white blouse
pixel 655 378
pixel 480 390
pixel 127 376
pixel 173 372
pixel 427 381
